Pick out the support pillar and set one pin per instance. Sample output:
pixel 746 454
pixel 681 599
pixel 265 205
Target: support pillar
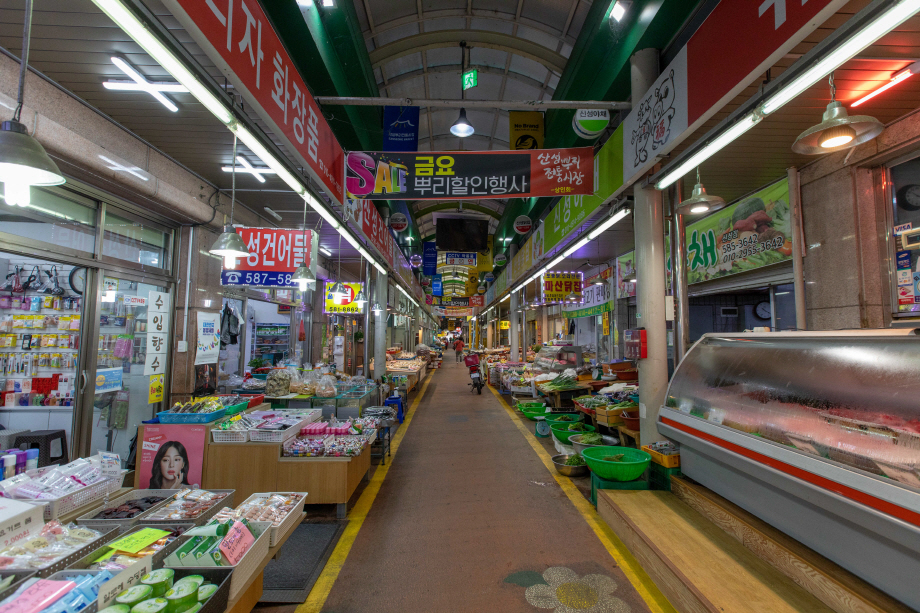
pixel 798 248
pixel 368 340
pixel 380 325
pixel 679 276
pixel 514 322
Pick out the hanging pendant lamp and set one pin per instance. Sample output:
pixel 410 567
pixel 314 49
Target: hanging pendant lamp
pixel 376 308
pixel 338 288
pixel 23 161
pixel 462 126
pixel 303 276
pixel 837 130
pixel 229 245
pixel 700 201
pixel 573 297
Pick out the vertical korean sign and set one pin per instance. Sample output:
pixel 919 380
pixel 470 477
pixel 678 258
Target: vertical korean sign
pixel 238 37
pixel 157 333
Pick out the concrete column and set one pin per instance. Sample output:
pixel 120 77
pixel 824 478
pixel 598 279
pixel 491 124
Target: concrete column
pixel 679 276
pixel 798 248
pixel 514 322
pixel 380 325
pixel 648 220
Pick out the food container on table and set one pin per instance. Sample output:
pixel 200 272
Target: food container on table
pixel 631 419
pixel 569 471
pixel 562 433
pixel 88 520
pixel 575 441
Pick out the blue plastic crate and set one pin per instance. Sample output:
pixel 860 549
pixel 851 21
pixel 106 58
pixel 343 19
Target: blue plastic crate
pixel 166 417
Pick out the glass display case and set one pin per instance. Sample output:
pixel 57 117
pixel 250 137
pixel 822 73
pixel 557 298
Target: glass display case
pixel 817 433
pixel 558 358
pixel 353 402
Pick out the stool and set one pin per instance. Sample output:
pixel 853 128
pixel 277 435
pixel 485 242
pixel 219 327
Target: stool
pixel 42 440
pixel 602 484
pixel 399 406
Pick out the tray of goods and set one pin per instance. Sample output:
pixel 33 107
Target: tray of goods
pixel 127 510
pixel 277 429
pixel 283 510
pixel 62 489
pixel 168 590
pixel 55 547
pixel 133 545
pixel 11 580
pixel 197 553
pixel 234 429
pixel 73 590
pixel 201 412
pixel 196 506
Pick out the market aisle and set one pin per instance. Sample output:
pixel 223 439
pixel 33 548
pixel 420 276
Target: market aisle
pixel 468 518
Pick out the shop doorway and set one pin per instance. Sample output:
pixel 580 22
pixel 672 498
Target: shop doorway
pixel 268 333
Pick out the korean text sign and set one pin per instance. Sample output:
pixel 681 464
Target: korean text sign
pixel 239 38
pixel 558 285
pixel 274 255
pixel 343 303
pixel 480 174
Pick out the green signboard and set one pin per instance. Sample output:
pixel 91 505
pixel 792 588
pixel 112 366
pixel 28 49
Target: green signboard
pixel 754 232
pixel 470 79
pixel 572 211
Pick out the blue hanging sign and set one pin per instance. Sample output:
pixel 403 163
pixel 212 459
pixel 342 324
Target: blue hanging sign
pixel 400 128
pixel 437 286
pixel 430 258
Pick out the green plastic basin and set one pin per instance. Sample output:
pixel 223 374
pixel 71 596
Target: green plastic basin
pixel 533 414
pixel 554 418
pixel 562 433
pixel 630 468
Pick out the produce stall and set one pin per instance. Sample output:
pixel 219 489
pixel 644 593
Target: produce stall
pixel 409 365
pixel 817 434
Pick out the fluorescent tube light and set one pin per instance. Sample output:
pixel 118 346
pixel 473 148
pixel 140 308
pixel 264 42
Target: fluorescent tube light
pixel 554 262
pixel 326 251
pixel 507 297
pixel 899 76
pixel 164 57
pixel 607 224
pixel 140 83
pixel 618 11
pixel 576 247
pixel 739 128
pixel 380 268
pixel 267 158
pixel 272 213
pixel 878 27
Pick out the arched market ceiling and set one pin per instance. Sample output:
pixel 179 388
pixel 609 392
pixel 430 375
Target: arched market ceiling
pixel 520 49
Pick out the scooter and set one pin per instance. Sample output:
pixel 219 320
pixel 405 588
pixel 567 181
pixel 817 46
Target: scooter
pixel 472 362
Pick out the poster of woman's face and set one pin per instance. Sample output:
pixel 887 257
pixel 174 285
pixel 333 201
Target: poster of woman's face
pixel 171 456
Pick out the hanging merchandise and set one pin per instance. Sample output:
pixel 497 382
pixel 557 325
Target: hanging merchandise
pixel 302 334
pixel 229 326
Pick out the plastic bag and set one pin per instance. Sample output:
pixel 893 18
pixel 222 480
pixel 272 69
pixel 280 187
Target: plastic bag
pixel 296 381
pixel 310 381
pixel 278 383
pixel 326 387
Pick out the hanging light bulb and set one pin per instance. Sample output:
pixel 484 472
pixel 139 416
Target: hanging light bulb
pixel 700 201
pixel 573 297
pixel 229 244
pixel 462 126
pixel 837 130
pixel 303 276
pixel 376 308
pixel 360 298
pixel 23 161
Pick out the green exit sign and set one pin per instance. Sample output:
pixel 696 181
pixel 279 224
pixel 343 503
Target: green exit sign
pixel 470 79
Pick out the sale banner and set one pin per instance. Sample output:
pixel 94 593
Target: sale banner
pixel 343 303
pixel 596 300
pixel 474 174
pixel 557 285
pixel 274 254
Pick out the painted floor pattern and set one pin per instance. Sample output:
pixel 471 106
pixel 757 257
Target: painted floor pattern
pixel 468 518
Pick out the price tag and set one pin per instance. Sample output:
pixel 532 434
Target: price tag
pixel 111 464
pixel 716 416
pixel 122 581
pixel 236 543
pixel 138 540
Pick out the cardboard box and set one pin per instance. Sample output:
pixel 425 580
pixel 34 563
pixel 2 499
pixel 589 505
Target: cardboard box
pixel 19 521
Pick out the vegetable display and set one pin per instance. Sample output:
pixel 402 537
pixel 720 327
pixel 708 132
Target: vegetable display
pixel 575 460
pixel 577 427
pixel 560 383
pixel 592 438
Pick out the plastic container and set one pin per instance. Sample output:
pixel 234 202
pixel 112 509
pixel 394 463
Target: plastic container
pixel 562 433
pixel 631 419
pixel 631 467
pixel 556 418
pixel 166 417
pixel 668 461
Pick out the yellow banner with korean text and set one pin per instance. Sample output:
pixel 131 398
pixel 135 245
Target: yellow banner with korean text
pixel 557 285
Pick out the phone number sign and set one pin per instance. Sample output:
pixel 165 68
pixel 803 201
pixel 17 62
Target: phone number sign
pixel 274 254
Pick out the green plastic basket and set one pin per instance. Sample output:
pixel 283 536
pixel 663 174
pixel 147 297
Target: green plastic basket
pixel 630 468
pixel 233 409
pixel 562 433
pixel 553 418
pixel 532 415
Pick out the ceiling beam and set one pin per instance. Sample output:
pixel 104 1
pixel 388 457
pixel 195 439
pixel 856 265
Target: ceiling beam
pixel 474 38
pixel 455 68
pixel 522 105
pixel 453 205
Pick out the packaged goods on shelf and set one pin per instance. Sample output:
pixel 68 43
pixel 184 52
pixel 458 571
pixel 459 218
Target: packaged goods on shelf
pixel 274 508
pixel 189 504
pixel 56 482
pixel 206 405
pixel 53 543
pixel 115 560
pixel 71 592
pixel 129 509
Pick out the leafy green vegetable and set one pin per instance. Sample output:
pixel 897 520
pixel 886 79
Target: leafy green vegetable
pixel 566 418
pixel 615 458
pixel 575 460
pixel 577 427
pixel 592 438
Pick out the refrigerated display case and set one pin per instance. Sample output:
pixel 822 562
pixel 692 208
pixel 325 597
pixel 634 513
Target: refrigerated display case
pixel 816 433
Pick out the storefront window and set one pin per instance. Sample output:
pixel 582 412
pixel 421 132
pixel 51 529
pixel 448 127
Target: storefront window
pixel 136 241
pixel 126 396
pixel 55 217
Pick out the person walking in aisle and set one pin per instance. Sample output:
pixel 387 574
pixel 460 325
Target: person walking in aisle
pixel 458 347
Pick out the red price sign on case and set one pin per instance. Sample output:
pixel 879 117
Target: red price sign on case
pixel 237 542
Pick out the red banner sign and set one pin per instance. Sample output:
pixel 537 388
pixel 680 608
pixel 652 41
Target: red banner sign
pixel 376 231
pixel 238 37
pixel 477 301
pixel 473 174
pixel 274 255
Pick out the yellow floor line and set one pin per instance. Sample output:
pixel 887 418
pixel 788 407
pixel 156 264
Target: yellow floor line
pixel 320 591
pixel 634 572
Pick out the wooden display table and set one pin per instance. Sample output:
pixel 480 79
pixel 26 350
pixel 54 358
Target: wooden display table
pixel 414 376
pixel 563 398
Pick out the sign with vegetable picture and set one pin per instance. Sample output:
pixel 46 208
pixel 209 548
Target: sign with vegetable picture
pixel 747 235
